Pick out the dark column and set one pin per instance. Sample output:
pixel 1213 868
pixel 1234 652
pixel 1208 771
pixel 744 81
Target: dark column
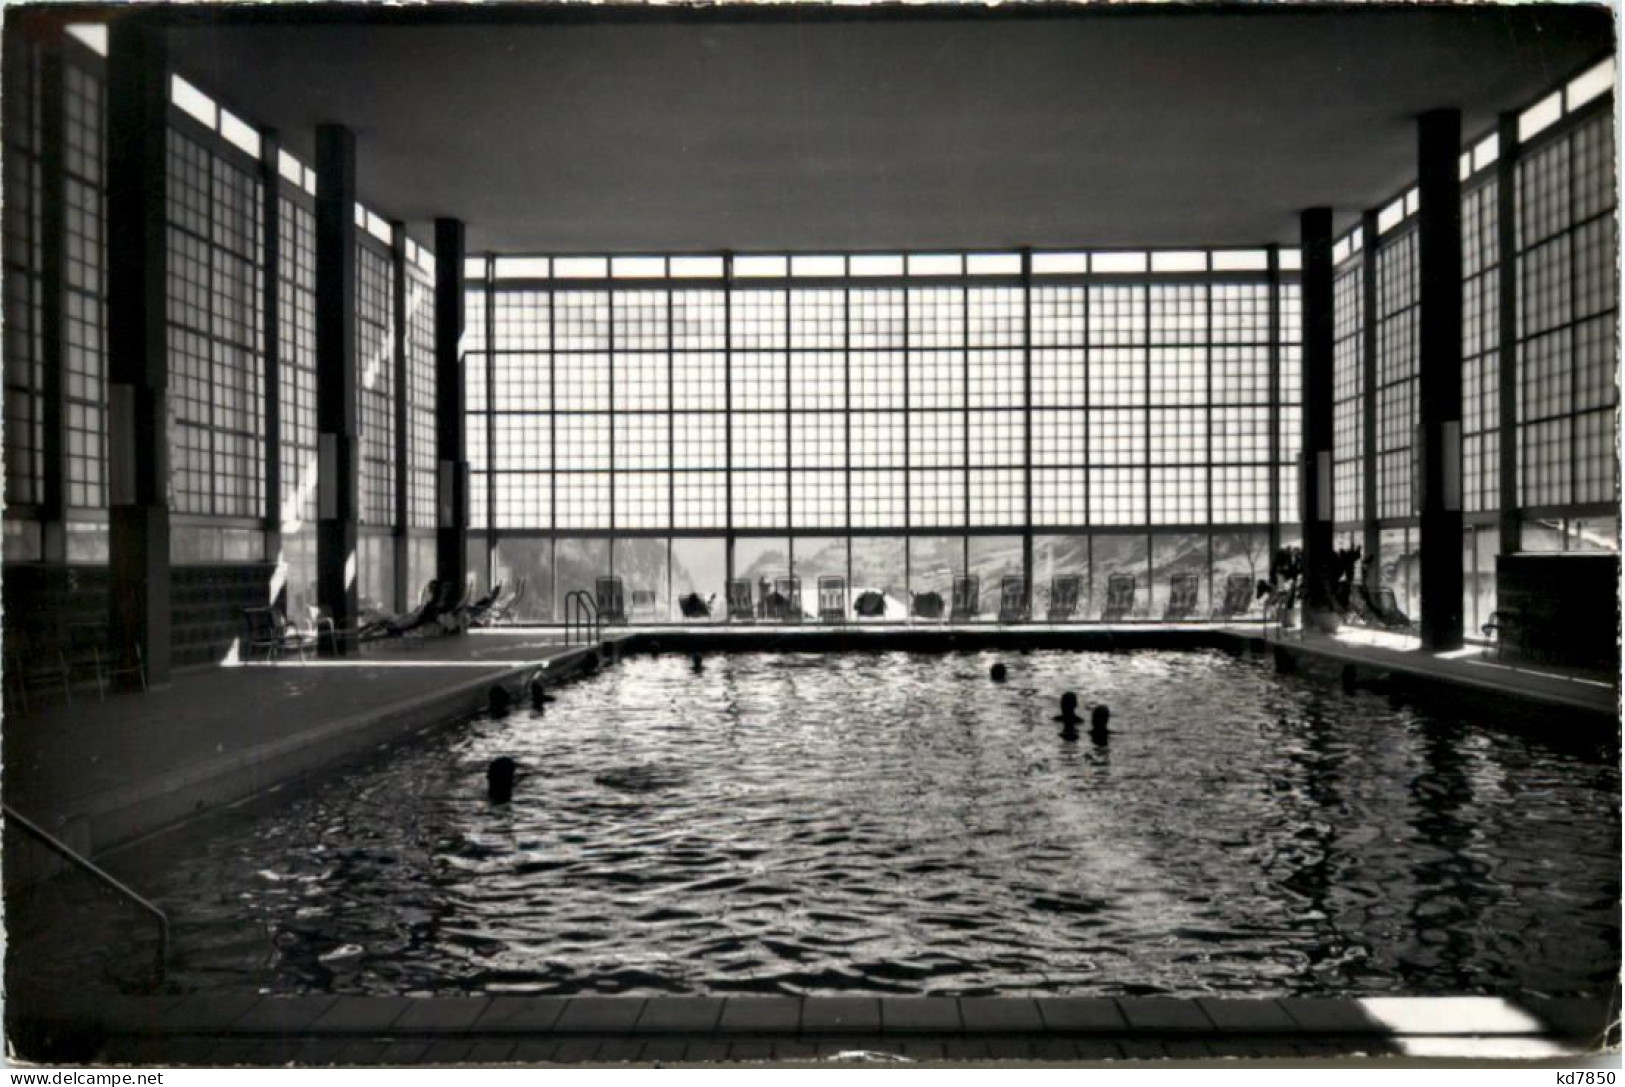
pixel 1315 474
pixel 1026 430
pixel 401 545
pixel 1506 243
pixel 1438 449
pixel 52 237
pixel 1371 535
pixel 271 302
pixel 337 462
pixel 137 357
pixel 1275 413
pixel 451 430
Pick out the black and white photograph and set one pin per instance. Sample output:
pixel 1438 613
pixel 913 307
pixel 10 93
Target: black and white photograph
pixel 810 535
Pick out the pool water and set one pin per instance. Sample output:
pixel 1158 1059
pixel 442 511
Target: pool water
pixel 897 823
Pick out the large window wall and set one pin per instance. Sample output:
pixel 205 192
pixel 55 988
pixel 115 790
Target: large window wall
pixel 817 400
pixel 216 345
pixel 220 334
pixel 1558 159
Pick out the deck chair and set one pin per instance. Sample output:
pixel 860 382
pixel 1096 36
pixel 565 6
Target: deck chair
pixel 1238 597
pixel 781 600
pixel 967 600
pixel 270 633
pixel 1013 606
pixel 88 646
pixel 740 608
pixel 1119 597
pixel 1506 627
pixel 30 664
pixel 1183 590
pixel 643 600
pixel 871 604
pixel 924 605
pixel 1063 597
pixel 611 600
pixel 832 599
pixel 693 607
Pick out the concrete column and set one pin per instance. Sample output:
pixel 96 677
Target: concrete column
pixel 1315 473
pixel 1438 438
pixel 451 431
pixel 1506 243
pixel 399 537
pixel 338 485
pixel 271 303
pixel 137 356
pixel 1370 535
pixel 52 339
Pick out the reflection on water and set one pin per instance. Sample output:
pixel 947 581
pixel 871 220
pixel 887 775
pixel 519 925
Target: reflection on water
pixel 895 823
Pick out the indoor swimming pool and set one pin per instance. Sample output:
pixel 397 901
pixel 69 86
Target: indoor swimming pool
pixel 896 823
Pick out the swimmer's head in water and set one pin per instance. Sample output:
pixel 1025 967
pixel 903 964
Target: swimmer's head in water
pixel 499 778
pixel 1069 704
pixel 501 700
pixel 1098 718
pixel 997 673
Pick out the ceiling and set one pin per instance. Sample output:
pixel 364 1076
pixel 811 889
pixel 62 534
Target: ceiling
pixel 807 128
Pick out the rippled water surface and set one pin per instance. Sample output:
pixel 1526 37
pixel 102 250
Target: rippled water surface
pixel 895 823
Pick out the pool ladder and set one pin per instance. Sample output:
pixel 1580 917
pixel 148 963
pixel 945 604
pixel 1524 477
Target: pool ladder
pixel 66 852
pixel 580 607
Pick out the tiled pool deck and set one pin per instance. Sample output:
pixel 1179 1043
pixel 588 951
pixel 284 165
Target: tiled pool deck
pixel 332 1030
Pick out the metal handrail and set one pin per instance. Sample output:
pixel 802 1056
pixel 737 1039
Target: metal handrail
pixel 580 603
pixel 66 852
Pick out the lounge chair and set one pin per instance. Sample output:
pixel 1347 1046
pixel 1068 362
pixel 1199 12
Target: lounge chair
pixel 967 601
pixel 477 613
pixel 611 600
pixel 693 607
pixel 831 598
pixel 454 619
pixel 1013 605
pixel 740 608
pixel 1119 597
pixel 1238 597
pixel 437 597
pixel 643 600
pixel 1183 590
pixel 502 611
pixel 871 604
pixel 1382 608
pixel 1063 597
